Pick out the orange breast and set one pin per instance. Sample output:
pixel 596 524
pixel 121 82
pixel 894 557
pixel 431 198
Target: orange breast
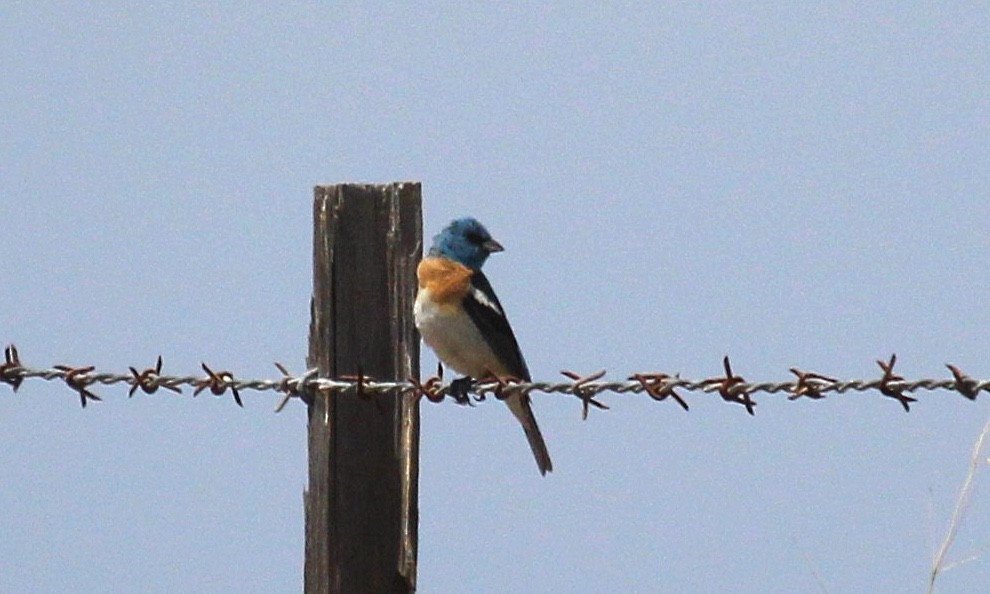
pixel 447 281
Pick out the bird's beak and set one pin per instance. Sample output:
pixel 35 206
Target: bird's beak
pixel 492 246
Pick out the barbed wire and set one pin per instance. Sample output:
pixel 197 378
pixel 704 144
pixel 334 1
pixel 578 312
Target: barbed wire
pixel 658 386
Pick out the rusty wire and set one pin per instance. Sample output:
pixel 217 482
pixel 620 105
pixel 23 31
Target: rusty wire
pixel 658 386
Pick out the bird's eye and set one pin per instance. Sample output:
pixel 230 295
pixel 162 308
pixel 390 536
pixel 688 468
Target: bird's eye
pixel 474 238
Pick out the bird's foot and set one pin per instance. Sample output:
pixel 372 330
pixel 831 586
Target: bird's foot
pixel 459 389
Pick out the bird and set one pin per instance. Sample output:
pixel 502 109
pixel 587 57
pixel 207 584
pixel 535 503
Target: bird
pixel 461 319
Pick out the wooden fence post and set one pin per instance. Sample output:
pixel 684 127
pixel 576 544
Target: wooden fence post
pixel 361 504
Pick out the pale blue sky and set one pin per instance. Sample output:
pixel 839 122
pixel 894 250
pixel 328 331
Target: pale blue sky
pixel 785 184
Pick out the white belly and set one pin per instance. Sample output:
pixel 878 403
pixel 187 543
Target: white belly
pixel 455 339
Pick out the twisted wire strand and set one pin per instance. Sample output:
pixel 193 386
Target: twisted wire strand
pixel 658 386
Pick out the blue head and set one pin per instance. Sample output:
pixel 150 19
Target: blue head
pixel 465 241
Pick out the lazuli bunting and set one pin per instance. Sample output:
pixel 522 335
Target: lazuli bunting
pixel 461 319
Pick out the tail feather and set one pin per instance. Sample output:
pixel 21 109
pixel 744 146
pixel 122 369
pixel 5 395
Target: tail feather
pixel 519 405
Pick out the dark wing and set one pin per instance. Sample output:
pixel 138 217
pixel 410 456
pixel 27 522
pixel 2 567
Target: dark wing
pixel 486 312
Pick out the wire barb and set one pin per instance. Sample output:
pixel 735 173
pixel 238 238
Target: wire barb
pixel 218 383
pixel 149 380
pixel 656 386
pixel 729 387
pixel 294 387
pixel 9 368
pixel 808 384
pixel 581 390
pixel 895 392
pixel 78 379
pixel 431 389
pixel 965 385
